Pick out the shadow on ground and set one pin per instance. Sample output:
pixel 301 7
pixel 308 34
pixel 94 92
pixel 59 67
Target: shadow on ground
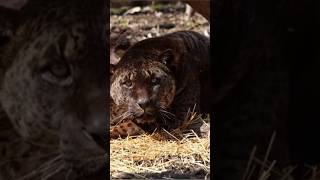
pixel 175 174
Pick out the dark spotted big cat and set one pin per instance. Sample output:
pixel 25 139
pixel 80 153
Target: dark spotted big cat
pixel 53 91
pixel 157 81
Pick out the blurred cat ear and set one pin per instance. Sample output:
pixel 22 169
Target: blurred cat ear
pixel 116 55
pixel 7 26
pixel 119 44
pixel 167 57
pixel 13 4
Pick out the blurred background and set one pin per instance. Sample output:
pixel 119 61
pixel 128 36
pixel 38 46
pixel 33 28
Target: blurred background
pixel 133 21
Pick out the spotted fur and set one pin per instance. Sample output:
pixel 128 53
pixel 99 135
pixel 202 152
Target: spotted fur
pixel 161 75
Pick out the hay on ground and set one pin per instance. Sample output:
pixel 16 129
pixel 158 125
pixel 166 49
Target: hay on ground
pixel 162 154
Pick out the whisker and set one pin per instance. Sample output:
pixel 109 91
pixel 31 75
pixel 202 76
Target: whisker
pixel 167 118
pixel 51 166
pixel 164 120
pixel 168 112
pixel 51 169
pixel 50 174
pixel 40 168
pixel 167 115
pixel 162 113
pixel 121 117
pixel 22 158
pixel 125 114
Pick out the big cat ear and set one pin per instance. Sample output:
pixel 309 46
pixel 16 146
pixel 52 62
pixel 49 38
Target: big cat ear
pixel 112 69
pixel 119 43
pixel 167 57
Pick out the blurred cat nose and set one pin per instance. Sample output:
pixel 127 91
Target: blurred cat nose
pixel 97 128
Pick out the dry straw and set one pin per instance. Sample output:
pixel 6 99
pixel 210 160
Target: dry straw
pixel 161 152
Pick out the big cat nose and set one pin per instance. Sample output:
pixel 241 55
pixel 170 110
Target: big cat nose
pixel 143 102
pixel 147 106
pixel 97 128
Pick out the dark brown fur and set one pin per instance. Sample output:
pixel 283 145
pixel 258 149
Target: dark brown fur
pixel 178 61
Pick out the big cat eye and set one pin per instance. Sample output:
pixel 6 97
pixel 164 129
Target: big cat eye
pixel 127 84
pixel 58 73
pixel 60 70
pixel 155 81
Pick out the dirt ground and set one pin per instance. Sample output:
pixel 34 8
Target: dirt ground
pixel 148 156
pixel 146 22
